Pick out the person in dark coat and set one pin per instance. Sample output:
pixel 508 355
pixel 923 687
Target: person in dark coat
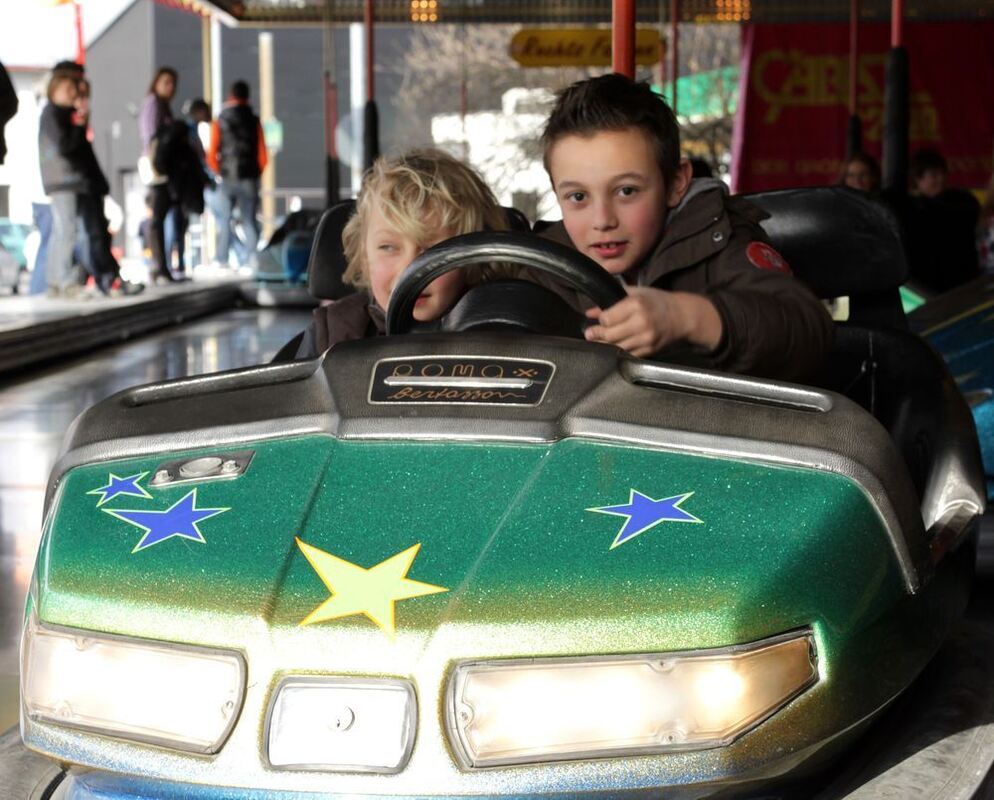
pixel 406 204
pixel 155 116
pixel 8 108
pixel 705 287
pixel 98 258
pixel 62 150
pixel 176 158
pixel 940 226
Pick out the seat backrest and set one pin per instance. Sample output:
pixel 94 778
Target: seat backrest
pixel 906 386
pixel 327 261
pixel 842 243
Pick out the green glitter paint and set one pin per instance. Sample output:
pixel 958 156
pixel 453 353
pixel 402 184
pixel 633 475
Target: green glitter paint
pixel 529 572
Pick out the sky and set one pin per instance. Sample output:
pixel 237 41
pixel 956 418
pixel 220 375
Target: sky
pixel 35 33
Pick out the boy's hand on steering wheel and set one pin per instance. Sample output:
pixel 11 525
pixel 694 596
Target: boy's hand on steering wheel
pixel 650 319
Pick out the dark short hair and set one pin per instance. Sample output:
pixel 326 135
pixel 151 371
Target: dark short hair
pixel 159 73
pixel 868 161
pixel 240 90
pixel 615 103
pixel 924 160
pixel 196 106
pixel 69 66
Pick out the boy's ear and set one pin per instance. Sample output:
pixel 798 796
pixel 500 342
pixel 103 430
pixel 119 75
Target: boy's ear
pixel 681 182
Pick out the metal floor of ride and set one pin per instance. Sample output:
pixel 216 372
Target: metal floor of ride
pixel 36 409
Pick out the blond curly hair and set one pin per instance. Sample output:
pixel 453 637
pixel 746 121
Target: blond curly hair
pixel 420 193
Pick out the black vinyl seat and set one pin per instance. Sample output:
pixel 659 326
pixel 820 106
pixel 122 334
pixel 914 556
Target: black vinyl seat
pixel 327 262
pixel 842 243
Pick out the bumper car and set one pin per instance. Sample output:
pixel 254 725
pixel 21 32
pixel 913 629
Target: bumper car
pixel 495 560
pixel 959 325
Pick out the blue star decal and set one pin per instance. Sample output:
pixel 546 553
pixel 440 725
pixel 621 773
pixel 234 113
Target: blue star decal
pixel 643 513
pixel 117 485
pixel 180 519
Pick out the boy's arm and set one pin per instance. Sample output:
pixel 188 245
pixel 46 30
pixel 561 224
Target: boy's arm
pixel 649 320
pixel 750 319
pixel 774 326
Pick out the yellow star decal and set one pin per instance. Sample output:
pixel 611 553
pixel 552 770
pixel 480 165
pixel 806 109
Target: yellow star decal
pixel 356 590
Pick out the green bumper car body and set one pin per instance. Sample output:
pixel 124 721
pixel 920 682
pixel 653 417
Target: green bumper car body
pixel 362 584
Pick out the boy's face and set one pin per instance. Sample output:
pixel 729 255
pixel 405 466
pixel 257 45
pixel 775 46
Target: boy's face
pixel 389 252
pixel 858 176
pixel 613 196
pixel 932 182
pixel 64 93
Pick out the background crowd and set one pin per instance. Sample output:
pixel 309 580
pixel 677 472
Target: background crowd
pixel 192 164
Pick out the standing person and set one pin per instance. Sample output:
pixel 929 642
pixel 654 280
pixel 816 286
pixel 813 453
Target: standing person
pixel 8 107
pixel 176 157
pixel 940 226
pixel 196 112
pixel 41 203
pixel 156 113
pixel 198 116
pixel 61 143
pixel 97 256
pixel 862 172
pixel 237 155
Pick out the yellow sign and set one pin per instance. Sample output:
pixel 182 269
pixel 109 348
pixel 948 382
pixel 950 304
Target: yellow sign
pixel 578 47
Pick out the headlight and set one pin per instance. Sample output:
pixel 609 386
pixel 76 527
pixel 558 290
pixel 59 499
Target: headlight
pixel 182 697
pixel 341 724
pixel 516 712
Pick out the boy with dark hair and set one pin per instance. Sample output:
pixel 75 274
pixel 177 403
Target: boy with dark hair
pixel 940 226
pixel 705 287
pixel 929 173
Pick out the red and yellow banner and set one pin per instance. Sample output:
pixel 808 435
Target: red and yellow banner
pixel 791 124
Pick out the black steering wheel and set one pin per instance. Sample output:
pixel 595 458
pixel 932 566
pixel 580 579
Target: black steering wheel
pixel 568 265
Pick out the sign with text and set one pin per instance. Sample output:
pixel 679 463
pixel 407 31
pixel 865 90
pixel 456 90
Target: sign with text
pixel 578 47
pixel 460 380
pixel 791 124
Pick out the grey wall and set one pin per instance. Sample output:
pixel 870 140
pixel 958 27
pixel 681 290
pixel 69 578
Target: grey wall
pixel 298 59
pixel 119 67
pixel 177 44
pixel 148 35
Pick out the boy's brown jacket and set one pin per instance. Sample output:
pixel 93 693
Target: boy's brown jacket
pixel 773 325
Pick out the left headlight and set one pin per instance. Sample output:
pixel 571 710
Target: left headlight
pixel 519 712
pixel 178 696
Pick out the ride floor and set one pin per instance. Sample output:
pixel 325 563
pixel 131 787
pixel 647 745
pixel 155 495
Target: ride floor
pixel 36 409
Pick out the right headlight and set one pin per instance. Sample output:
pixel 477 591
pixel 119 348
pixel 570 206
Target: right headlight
pixel 179 696
pixel 518 712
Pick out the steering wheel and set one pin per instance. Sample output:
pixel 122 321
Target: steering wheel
pixel 568 265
